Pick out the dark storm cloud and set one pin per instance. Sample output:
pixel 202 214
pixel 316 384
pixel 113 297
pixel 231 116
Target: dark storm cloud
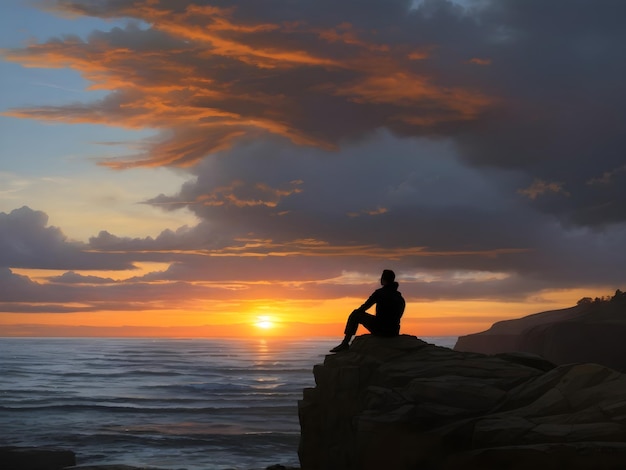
pixel 530 85
pixel 27 242
pixel 18 293
pixel 560 67
pixel 421 210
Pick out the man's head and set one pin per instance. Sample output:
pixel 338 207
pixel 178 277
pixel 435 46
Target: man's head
pixel 387 277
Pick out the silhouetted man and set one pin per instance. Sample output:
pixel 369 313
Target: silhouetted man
pixel 389 310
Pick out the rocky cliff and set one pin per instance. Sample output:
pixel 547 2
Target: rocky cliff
pixel 592 331
pixel 400 403
pixel 33 458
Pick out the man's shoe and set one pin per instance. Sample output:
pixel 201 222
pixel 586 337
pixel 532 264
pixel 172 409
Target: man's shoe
pixel 341 347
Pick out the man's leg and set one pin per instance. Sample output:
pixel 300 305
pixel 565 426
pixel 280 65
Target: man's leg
pixel 356 318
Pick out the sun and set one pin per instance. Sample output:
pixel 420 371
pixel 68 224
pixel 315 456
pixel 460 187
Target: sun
pixel 264 323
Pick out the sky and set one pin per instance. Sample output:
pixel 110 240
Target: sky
pixel 244 168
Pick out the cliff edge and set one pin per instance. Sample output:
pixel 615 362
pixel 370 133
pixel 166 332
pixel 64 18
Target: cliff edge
pixel 401 403
pixel 592 331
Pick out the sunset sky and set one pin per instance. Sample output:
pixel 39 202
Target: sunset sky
pixel 246 167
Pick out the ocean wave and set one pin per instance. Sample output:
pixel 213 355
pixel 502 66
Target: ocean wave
pixel 130 408
pixel 144 401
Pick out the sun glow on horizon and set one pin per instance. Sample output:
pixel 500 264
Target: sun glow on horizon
pixel 265 322
pixel 267 318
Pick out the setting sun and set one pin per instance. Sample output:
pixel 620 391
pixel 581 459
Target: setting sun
pixel 264 322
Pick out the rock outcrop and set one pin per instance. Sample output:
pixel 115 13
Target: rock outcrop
pixel 400 403
pixel 35 458
pixel 593 331
pixel 46 458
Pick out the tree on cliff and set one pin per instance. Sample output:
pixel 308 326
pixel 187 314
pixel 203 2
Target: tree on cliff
pixel 618 297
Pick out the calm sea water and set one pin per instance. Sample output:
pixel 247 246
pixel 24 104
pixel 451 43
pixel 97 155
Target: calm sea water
pixel 196 404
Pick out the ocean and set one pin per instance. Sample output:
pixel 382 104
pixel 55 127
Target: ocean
pixel 195 404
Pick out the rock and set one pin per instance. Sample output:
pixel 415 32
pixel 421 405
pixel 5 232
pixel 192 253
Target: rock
pixel 43 458
pixel 110 467
pixel 35 458
pixel 589 332
pixel 577 456
pixel 401 403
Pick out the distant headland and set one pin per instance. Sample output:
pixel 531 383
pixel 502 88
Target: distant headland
pixel 591 331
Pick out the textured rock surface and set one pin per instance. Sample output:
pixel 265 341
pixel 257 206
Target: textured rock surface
pixel 33 458
pixel 43 458
pixel 110 467
pixel 401 403
pixel 589 332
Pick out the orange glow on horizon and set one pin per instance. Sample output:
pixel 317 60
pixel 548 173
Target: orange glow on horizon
pixel 265 322
pixel 297 319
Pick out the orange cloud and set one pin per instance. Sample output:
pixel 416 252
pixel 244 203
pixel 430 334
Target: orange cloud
pixel 379 210
pixel 608 177
pixel 237 194
pixel 315 248
pixel 540 187
pixel 433 104
pixel 206 77
pixel 478 61
pixel 419 54
pixel 346 34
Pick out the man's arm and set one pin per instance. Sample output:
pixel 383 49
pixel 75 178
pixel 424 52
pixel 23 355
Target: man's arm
pixel 369 302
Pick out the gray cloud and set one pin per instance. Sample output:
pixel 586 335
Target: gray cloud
pixel 27 242
pixel 531 86
pixel 71 277
pixel 423 205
